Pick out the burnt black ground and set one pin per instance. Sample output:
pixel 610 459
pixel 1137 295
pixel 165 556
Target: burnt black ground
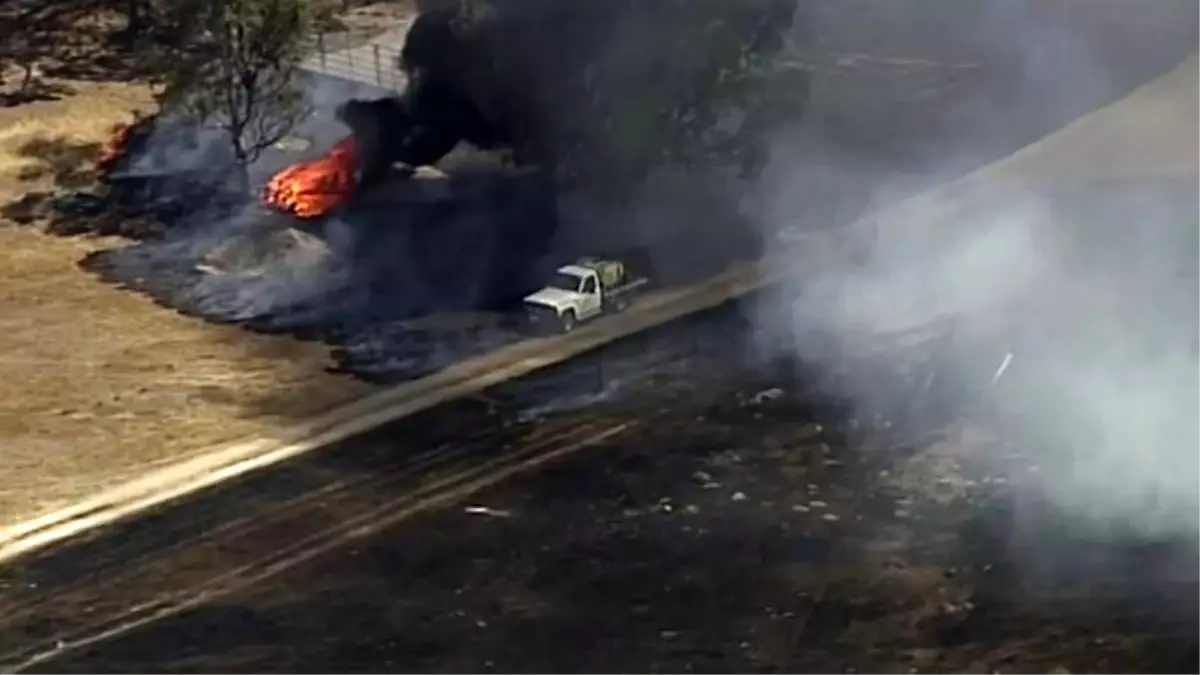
pixel 745 522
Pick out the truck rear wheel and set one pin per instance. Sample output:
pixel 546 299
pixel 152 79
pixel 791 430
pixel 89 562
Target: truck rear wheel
pixel 568 320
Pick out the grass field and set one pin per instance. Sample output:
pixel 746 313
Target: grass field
pixel 97 383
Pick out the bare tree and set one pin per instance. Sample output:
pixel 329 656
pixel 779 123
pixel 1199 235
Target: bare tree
pixel 234 65
pixel 20 73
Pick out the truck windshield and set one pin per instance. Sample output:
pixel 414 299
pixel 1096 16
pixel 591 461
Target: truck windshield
pixel 565 282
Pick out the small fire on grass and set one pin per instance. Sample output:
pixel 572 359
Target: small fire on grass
pixel 314 188
pixel 116 147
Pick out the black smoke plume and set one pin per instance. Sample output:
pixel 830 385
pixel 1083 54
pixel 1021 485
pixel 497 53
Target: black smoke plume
pixel 598 92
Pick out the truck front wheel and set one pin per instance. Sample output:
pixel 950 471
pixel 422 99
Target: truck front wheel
pixel 568 320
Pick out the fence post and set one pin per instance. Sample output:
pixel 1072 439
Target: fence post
pixel 378 68
pixel 321 48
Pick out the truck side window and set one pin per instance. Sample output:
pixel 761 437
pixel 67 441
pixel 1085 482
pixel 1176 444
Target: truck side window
pixel 589 286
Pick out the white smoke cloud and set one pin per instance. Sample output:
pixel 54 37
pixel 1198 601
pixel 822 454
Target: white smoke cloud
pixel 1087 293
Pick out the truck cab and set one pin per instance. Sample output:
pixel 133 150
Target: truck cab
pixel 580 292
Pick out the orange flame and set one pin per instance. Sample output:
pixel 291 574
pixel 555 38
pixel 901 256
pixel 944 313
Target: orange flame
pixel 115 148
pixel 314 188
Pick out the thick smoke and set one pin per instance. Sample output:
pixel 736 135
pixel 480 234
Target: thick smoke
pixel 1073 302
pixel 578 89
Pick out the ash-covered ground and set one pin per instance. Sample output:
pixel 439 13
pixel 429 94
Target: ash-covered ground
pixel 418 274
pixel 749 520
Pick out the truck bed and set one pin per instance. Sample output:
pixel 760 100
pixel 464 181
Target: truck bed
pixel 627 286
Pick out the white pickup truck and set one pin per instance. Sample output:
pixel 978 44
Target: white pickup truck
pixel 580 292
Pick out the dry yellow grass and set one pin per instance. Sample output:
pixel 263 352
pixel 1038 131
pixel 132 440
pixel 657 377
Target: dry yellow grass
pixel 1151 133
pixel 42 137
pixel 97 383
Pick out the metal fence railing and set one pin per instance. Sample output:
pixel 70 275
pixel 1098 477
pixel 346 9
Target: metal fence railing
pixel 342 56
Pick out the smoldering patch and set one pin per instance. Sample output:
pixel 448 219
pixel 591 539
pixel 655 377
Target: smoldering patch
pixel 455 246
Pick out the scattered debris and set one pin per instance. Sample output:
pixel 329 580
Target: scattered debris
pixel 485 511
pixel 739 496
pixel 1003 367
pixel 766 395
pixel 259 250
